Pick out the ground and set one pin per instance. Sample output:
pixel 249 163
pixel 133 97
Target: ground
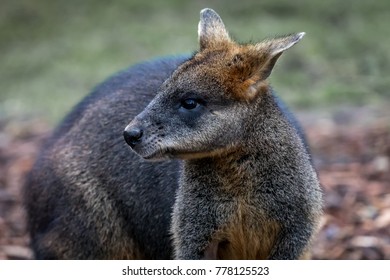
pixel 351 151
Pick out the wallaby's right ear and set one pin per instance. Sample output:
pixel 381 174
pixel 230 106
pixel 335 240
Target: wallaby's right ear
pixel 262 59
pixel 211 30
pixel 272 49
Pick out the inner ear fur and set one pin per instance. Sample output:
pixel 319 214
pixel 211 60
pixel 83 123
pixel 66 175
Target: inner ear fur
pixel 255 63
pixel 211 30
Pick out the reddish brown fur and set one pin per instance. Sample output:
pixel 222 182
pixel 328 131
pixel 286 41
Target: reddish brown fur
pixel 235 67
pixel 246 238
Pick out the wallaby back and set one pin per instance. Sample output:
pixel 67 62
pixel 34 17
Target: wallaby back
pixel 88 195
pixel 244 189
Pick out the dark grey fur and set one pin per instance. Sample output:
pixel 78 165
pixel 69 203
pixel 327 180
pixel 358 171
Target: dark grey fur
pixel 90 197
pixel 99 161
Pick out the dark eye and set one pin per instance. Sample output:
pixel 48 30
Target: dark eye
pixel 189 104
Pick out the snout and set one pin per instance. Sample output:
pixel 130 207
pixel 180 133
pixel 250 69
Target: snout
pixel 144 137
pixel 132 135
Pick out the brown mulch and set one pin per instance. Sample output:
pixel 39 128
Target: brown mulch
pixel 19 142
pixel 352 154
pixel 351 151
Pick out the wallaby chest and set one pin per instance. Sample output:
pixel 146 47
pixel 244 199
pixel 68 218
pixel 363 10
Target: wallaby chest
pixel 248 234
pixel 244 231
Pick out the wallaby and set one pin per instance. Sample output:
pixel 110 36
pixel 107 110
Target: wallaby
pixel 227 173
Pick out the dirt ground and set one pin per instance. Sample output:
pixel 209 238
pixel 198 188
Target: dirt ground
pixel 351 150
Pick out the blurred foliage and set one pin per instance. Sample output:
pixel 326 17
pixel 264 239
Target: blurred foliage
pixel 53 52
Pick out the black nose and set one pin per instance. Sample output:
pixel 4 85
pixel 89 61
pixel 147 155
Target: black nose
pixel 132 136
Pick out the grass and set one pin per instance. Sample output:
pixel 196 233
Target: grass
pixel 53 53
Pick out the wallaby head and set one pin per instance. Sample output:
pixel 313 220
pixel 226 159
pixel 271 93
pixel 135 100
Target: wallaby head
pixel 202 108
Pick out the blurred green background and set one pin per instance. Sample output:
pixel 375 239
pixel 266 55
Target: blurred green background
pixel 52 53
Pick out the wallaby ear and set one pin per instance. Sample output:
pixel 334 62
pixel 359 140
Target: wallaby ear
pixel 272 49
pixel 211 30
pixel 262 58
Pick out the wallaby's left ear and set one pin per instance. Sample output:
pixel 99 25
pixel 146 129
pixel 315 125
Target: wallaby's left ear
pixel 272 49
pixel 211 30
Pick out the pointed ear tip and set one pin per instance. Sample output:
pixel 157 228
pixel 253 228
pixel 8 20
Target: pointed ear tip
pixel 206 11
pixel 300 35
